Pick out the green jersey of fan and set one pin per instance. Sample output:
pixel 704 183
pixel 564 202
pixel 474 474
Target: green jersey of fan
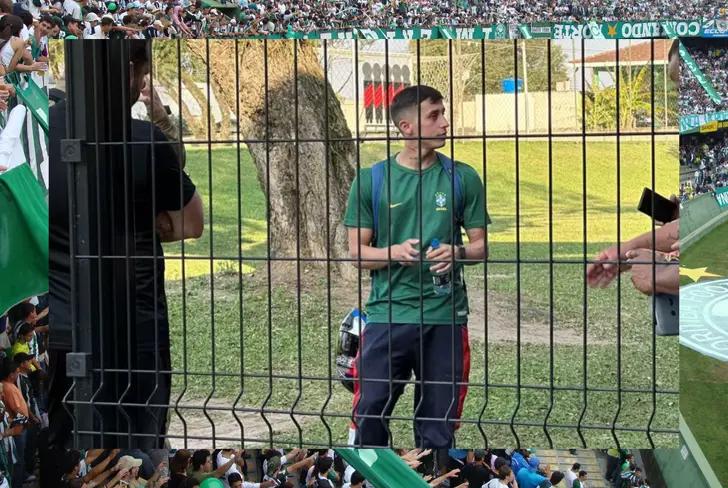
pixel 417 208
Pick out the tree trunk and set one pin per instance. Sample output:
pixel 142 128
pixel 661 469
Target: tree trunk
pixel 297 192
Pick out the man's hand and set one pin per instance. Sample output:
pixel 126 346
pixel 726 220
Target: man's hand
pixel 601 274
pixel 267 484
pixel 443 255
pixel 165 229
pixel 406 254
pixel 667 279
pixel 151 99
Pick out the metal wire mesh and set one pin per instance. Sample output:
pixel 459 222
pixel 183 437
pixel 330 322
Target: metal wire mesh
pixel 253 306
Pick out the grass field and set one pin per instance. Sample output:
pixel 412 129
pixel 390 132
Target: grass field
pixel 259 344
pixel 703 380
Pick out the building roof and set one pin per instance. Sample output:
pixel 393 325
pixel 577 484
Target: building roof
pixel 634 53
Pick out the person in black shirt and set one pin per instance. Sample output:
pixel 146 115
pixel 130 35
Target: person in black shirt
pixel 476 472
pixel 178 209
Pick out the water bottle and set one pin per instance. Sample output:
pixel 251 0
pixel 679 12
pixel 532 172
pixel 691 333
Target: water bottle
pixel 440 281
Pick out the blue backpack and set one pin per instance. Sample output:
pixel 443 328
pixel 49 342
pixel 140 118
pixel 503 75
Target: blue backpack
pixel 378 184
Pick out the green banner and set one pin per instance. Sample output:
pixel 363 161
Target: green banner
pixel 382 468
pixel 612 30
pixel 670 29
pixel 698 73
pixel 721 195
pixel 24 225
pixel 694 123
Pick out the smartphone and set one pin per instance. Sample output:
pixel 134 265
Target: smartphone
pixel 664 209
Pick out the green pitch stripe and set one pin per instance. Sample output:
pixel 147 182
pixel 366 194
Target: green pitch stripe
pixel 697 453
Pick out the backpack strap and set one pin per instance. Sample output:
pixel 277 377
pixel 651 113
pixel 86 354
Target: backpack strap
pixel 377 184
pixel 459 199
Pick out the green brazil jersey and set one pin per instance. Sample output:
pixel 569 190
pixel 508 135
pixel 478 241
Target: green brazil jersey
pixel 437 207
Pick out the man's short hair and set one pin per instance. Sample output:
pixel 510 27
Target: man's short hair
pixel 68 19
pixel 26 16
pixel 70 460
pixel 504 471
pixel 479 455
pixel 575 466
pixel 556 477
pixel 357 477
pixel 179 461
pixel 24 329
pixel 233 477
pixel 410 98
pixel 6 6
pixel 107 21
pixel 499 461
pixel 582 473
pixel 199 458
pixel 47 19
pixel 20 311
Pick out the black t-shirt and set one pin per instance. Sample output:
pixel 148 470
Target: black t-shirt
pixel 167 192
pixel 476 474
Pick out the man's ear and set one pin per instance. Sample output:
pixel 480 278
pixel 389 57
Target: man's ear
pixel 405 127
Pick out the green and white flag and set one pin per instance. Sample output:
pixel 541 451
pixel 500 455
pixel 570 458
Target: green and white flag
pixel 698 73
pixel 721 195
pixel 382 468
pixel 23 237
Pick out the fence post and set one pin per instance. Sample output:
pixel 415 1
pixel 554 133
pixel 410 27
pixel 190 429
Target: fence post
pixel 101 224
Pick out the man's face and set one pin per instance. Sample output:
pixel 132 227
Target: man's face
pixel 74 29
pixel 105 28
pixel 44 28
pixel 25 366
pixel 138 72
pixel 207 467
pixel 32 317
pixel 28 337
pixel 237 484
pixel 433 123
pixel 55 31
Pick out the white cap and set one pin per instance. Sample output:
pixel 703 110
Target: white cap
pixel 92 17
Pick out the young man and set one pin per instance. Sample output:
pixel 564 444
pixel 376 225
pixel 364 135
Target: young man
pixel 543 478
pixel 437 350
pixel 477 472
pixel 357 481
pixel 505 479
pixel 18 415
pixel 202 465
pixel 581 480
pixel 23 345
pixel 572 474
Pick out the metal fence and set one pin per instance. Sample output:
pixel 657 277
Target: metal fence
pixel 237 341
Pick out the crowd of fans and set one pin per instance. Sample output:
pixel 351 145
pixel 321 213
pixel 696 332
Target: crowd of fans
pixel 326 468
pixel 704 162
pixel 220 468
pixel 712 59
pixel 523 469
pixel 189 19
pixel 23 394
